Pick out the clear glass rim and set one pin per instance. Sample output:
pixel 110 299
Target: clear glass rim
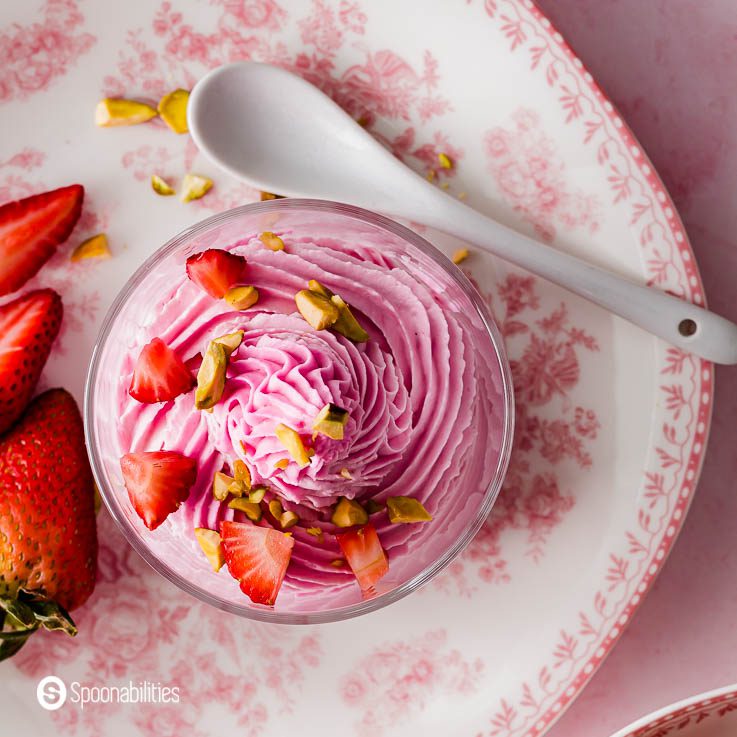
pixel 367 605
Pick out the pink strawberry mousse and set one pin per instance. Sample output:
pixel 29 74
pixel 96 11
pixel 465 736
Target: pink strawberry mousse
pixel 426 406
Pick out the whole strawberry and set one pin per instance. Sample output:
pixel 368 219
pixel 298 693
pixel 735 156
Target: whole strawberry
pixel 48 538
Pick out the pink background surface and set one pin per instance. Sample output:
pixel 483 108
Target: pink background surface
pixel 671 67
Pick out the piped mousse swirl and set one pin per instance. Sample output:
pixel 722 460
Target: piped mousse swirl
pixel 420 397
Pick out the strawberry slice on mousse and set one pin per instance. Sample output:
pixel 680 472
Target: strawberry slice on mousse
pixel 257 557
pixel 159 375
pixel 216 271
pixel 157 483
pixel 363 551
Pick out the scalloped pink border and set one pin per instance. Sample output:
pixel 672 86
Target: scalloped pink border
pixel 677 716
pixel 703 397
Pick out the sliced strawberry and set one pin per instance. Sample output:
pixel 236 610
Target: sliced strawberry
pixel 159 375
pixel 28 327
pixel 363 551
pixel 258 557
pixel 157 483
pixel 30 231
pixel 216 271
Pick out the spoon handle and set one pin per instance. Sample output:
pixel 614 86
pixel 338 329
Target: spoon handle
pixel 687 326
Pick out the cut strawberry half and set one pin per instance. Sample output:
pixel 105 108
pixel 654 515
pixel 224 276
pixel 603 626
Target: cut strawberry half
pixel 216 271
pixel 257 557
pixel 159 375
pixel 363 551
pixel 28 327
pixel 157 483
pixel 30 231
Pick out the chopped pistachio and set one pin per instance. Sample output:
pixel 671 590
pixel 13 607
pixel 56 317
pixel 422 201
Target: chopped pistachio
pixel 346 474
pixel 283 463
pixel 346 324
pixel 237 488
pixel 315 532
pixel 460 255
pixel 230 342
pixel 241 298
pixel 372 506
pixel 331 421
pixel 288 519
pixel 445 186
pixel 314 286
pixel 430 176
pixel 242 473
pixel 220 484
pixel 114 111
pixel 272 241
pixel 319 312
pixel 161 186
pixel 406 509
pixel 211 376
pixel 275 508
pixel 270 196
pixel 291 440
pixel 337 563
pixel 256 495
pixel 209 541
pixel 462 195
pixel 94 247
pixel 250 509
pixel 173 110
pixel 445 161
pixel 194 186
pixel 348 512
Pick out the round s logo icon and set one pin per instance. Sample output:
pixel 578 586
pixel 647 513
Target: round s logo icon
pixel 51 693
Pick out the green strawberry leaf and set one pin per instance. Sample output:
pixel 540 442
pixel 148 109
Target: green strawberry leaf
pixel 11 642
pixel 52 616
pixel 18 615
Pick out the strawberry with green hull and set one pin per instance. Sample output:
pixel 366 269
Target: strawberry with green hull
pixel 160 375
pixel 31 229
pixel 48 538
pixel 257 557
pixel 157 483
pixel 28 327
pixel 216 271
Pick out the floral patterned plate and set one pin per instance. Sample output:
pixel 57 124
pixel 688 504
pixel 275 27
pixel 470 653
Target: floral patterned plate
pixel 712 714
pixel 612 424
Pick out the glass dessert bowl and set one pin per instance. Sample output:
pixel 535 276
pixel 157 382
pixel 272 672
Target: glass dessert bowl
pixel 299 411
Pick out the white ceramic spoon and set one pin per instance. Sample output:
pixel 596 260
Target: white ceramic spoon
pixel 279 133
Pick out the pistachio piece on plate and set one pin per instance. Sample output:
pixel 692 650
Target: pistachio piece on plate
pixel 319 311
pixel 161 186
pixel 445 161
pixel 115 111
pixel 211 376
pixel 349 512
pixel 194 186
pixel 241 298
pixel 315 532
pixel 291 440
pixel 331 421
pixel 282 463
pixel 346 474
pixel 173 110
pixel 237 488
pixel 406 509
pixel 209 541
pixel 242 473
pixel 275 508
pixel 460 256
pixel 94 247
